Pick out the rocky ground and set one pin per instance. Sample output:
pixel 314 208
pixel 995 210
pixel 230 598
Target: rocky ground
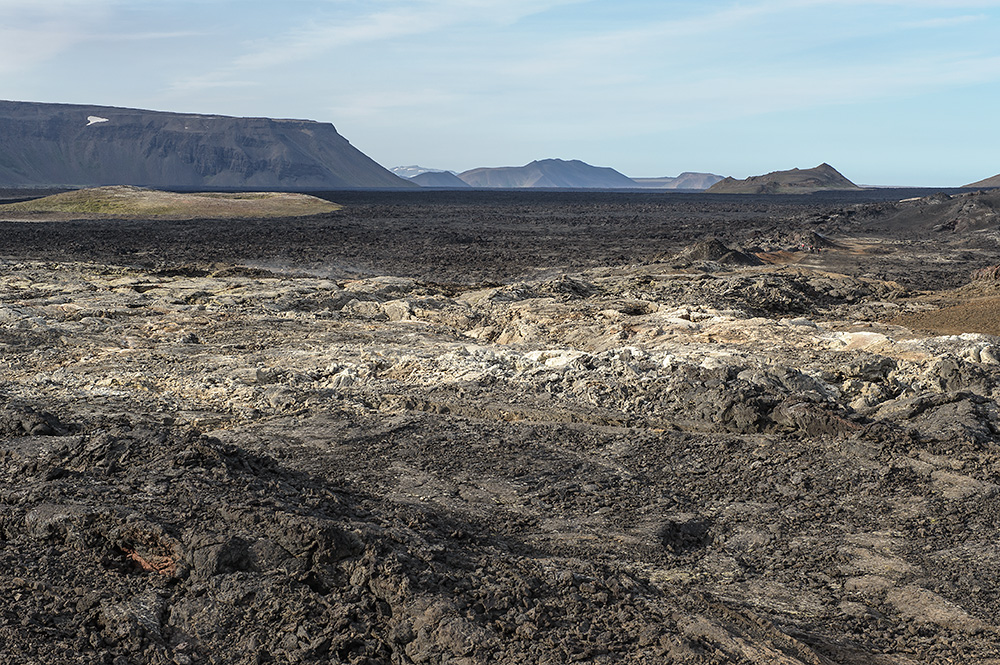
pixel 496 427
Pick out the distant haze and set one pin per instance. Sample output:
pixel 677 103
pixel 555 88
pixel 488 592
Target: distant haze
pixel 550 173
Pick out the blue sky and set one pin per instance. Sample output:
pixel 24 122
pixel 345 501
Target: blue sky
pixel 893 93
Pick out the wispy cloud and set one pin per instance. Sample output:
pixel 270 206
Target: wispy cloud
pixel 34 32
pixel 387 22
pixel 386 102
pixel 313 40
pixel 397 20
pixel 946 21
pixel 145 36
pixel 194 84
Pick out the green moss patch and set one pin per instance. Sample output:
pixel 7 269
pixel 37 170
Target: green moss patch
pixel 122 201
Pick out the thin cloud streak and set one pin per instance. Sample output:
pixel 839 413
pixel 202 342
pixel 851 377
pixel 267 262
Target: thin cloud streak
pixel 376 103
pixel 210 82
pixel 401 21
pixel 146 36
pixel 946 22
pixel 34 32
pixel 313 41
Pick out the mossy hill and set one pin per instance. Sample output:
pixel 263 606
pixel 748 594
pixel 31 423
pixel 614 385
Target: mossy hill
pixel 131 202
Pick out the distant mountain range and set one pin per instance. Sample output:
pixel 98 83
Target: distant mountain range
pixel 821 178
pixel 67 145
pixel 82 146
pixel 552 173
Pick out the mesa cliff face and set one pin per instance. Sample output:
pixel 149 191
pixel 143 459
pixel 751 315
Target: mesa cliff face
pixel 795 181
pixel 76 145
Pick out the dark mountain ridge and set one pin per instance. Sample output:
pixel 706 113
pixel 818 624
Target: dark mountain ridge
pixel 82 146
pixel 795 181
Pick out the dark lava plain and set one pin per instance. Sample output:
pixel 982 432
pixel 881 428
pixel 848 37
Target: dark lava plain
pixel 461 237
pixel 506 427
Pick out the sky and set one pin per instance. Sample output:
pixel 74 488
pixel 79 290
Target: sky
pixel 897 92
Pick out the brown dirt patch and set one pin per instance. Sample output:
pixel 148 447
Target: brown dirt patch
pixel 977 316
pixel 780 257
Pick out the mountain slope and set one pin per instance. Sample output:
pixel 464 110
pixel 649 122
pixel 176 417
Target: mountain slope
pixel 548 173
pixel 439 179
pixel 795 181
pixel 988 182
pixel 76 145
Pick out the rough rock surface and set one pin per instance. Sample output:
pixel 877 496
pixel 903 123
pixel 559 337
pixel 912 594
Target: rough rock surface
pixel 622 462
pixel 941 214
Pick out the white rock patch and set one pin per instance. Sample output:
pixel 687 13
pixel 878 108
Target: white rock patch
pixel 94 119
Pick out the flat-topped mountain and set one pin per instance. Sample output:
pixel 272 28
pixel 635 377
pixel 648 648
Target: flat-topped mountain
pixel 548 173
pixel 796 181
pixel 82 146
pixel 686 180
pixel 988 182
